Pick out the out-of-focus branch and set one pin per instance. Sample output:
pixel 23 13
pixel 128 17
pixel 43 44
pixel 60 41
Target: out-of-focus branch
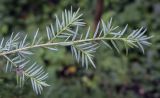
pixel 98 12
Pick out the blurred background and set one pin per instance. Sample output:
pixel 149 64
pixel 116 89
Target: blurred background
pixel 136 75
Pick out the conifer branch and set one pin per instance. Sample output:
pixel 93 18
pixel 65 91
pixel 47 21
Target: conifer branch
pixel 83 45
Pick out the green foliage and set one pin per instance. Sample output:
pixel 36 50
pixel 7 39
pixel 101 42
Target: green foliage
pixel 116 75
pixel 82 47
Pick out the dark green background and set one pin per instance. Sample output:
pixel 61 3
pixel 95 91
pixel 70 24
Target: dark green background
pixel 136 75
